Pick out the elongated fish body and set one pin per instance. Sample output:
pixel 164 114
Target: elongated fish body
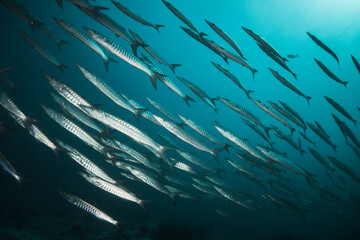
pixel 151 182
pixel 180 133
pixel 74 129
pixel 280 159
pixel 82 36
pixel 203 132
pixel 287 114
pixel 338 107
pixel 116 190
pixel 87 207
pixel 22 13
pixel 180 193
pixel 344 168
pixel 277 60
pixel 286 203
pixel 232 197
pixel 238 141
pixel 241 168
pixel 196 161
pixel 183 166
pixel 181 16
pixel 125 128
pixel 38 135
pixel 289 140
pixel 255 127
pixel 146 114
pixel 136 155
pixel 322 135
pixel 110 92
pixel 357 65
pixel 232 77
pixel 165 111
pixel 44 52
pixel 227 54
pixel 355 149
pixel 321 129
pixel 346 131
pixel 244 112
pixel 264 43
pixel 76 113
pixel 293 112
pixel 323 46
pixel 152 52
pixel 307 139
pixel 289 85
pixel 169 141
pixel 229 215
pixel 225 36
pixel 208 190
pixel 199 92
pixel 6 165
pixel 85 162
pixel 85 4
pixel 50 34
pixel 66 92
pixel 128 57
pixel 10 106
pixel 137 18
pixel 329 73
pixel 274 114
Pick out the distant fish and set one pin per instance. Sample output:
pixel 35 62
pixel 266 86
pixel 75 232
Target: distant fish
pixel 203 132
pixel 287 114
pixel 14 88
pixel 182 17
pixel 322 135
pixel 44 52
pixel 329 73
pixel 289 85
pixel 233 78
pixel 110 92
pixel 85 4
pixel 128 57
pixel 274 114
pixel 344 168
pixel 230 215
pixel 22 13
pixel 323 46
pixel 183 166
pixel 226 37
pixel 307 139
pixel 289 140
pixel 277 60
pixel 293 56
pixel 233 197
pixel 286 203
pixel 256 128
pixel 200 93
pixel 136 17
pixel 346 131
pixel 152 52
pixel 264 43
pixel 166 112
pixel 242 143
pixel 357 65
pixel 292 111
pixel 355 149
pixel 186 137
pixel 87 207
pixel 6 165
pixel 338 107
pixel 82 36
pixel 50 34
pixel 244 112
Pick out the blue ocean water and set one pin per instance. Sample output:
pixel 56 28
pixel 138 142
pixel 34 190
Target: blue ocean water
pixel 282 23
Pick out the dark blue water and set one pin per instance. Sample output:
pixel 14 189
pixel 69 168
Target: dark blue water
pixel 282 24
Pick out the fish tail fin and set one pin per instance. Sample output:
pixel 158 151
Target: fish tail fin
pixel 173 66
pixel 216 154
pixel 60 3
pixel 181 125
pixel 226 147
pixel 267 131
pixel 61 67
pixel 292 131
pixel 334 147
pixel 345 84
pixel 308 100
pixel 135 45
pixel 138 112
pixel 162 151
pixel 187 99
pixel 294 76
pixel 285 59
pixel 105 132
pixel 153 77
pixel 253 71
pixel 158 26
pixel 248 93
pixel 61 43
pixel 226 59
pixel 35 24
pixel 202 34
pixel 108 60
pixel 216 110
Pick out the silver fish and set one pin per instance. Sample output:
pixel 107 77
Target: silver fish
pixel 120 52
pixel 6 165
pixel 137 18
pixel 44 52
pixel 165 112
pixel 82 36
pixel 233 197
pixel 87 207
pixel 329 73
pixel 322 135
pixel 341 109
